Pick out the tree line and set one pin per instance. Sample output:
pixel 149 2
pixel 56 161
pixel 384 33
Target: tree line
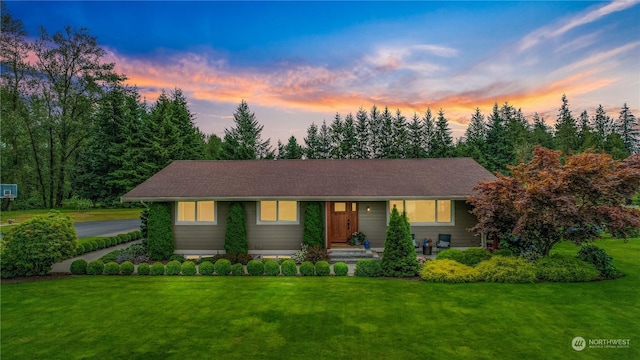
pixel 71 127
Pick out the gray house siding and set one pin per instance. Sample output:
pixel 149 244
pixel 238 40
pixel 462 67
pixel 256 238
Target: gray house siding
pixel 373 223
pixel 273 237
pixel 207 238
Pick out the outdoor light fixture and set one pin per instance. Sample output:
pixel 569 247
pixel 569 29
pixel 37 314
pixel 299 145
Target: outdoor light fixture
pixel 368 209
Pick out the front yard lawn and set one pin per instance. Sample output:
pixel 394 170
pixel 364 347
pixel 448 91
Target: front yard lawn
pixel 173 317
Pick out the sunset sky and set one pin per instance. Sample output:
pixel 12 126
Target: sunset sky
pixel 301 62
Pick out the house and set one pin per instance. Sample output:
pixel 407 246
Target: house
pixel 355 195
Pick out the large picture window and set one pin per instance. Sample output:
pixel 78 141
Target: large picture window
pixel 425 212
pixel 278 212
pixel 194 212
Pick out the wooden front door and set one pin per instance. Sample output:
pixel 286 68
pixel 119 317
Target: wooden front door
pixel 343 221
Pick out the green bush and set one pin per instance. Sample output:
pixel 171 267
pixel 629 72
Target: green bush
pixel 507 270
pixel 126 268
pixel 77 203
pixel 112 268
pixel 160 232
pixel 565 268
pixel 173 268
pixel 144 269
pixel 475 256
pixel 206 268
pixel 323 268
pixel 188 268
pixel 399 258
pixel 177 257
pixel 32 247
pixel 95 267
pixel 79 267
pixel 237 269
pixel 235 236
pixel 313 226
pixel 289 268
pixel 451 254
pixel 223 267
pixel 503 252
pixel 157 269
pixel 255 268
pixel 599 258
pixel 271 267
pixel 80 249
pixel 315 254
pixel 368 268
pixel 88 246
pixel 102 243
pixel 340 269
pixel 307 268
pixel 448 271
pixel 144 220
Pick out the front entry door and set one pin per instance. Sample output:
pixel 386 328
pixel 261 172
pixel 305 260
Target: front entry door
pixel 343 221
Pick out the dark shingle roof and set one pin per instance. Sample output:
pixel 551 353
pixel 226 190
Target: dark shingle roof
pixel 312 179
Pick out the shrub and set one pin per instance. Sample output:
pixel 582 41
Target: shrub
pixel 235 236
pixel 79 267
pixel 289 268
pixel 80 249
pixel 206 268
pixel 237 269
pixel 173 267
pixel 271 267
pixel 126 268
pixel 124 256
pixel 160 232
pixel 451 254
pixel 448 271
pixel 307 268
pixel 233 258
pixel 157 269
pixel 176 257
pixel 33 246
pixel 368 268
pixel 599 258
pixel 77 203
pixel 112 268
pixel 95 267
pixel 223 267
pixel 315 254
pixel 88 246
pixel 399 259
pixel 340 269
pixel 144 269
pixel 323 268
pixel 144 220
pixel 475 256
pixel 102 243
pixel 244 258
pixel 298 257
pixel 313 226
pixel 188 268
pixel 255 268
pixel 507 270
pixel 503 252
pixel 565 268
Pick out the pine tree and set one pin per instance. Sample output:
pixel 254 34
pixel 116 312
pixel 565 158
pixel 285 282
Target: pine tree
pixel 475 138
pixel 566 136
pixel 399 259
pixel 400 137
pixel 349 139
pixel 628 128
pixel 429 128
pixel 541 134
pixel 244 141
pixel 415 134
pixel 212 147
pixel 336 136
pixel 602 127
pixel 442 145
pixel 290 151
pixel 386 140
pixel 312 142
pixel 324 141
pixel 375 132
pixel 363 144
pixel 498 152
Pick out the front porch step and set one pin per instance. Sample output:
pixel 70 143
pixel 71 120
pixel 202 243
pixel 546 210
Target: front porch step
pixel 351 255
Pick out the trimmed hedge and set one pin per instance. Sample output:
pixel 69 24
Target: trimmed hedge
pixel 507 270
pixel 323 268
pixel 451 254
pixel 79 267
pixel 126 268
pixel 271 267
pixel 448 271
pixel 206 268
pixel 95 267
pixel 307 268
pixel 188 268
pixel 565 268
pixel 144 269
pixel 235 236
pixel 313 225
pixel 289 268
pixel 112 268
pixel 340 269
pixel 368 268
pixel 223 267
pixel 255 268
pixel 600 259
pixel 86 245
pixel 173 268
pixel 475 256
pixel 160 242
pixel 237 269
pixel 157 269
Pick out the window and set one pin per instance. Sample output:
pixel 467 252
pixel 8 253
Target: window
pixel 278 212
pixel 193 212
pixel 425 212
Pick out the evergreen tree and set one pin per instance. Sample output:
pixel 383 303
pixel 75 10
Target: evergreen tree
pixel 566 136
pixel 324 141
pixel 602 127
pixel 415 134
pixel 290 151
pixel 235 236
pixel 429 128
pixel 399 259
pixel 628 128
pixel 498 151
pixel 400 137
pixel 442 145
pixel 313 225
pixel 586 138
pixel 517 133
pixel 312 143
pixel 541 134
pixel 244 141
pixel 362 148
pixel 349 139
pixel 386 140
pixel 375 132
pixel 213 147
pixel 336 136
pixel 475 138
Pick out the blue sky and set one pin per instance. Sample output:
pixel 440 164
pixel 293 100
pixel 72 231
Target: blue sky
pixel 298 62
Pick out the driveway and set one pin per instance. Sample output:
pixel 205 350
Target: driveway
pixel 106 228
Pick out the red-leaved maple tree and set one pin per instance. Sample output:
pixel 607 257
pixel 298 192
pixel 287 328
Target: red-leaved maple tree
pixel 545 201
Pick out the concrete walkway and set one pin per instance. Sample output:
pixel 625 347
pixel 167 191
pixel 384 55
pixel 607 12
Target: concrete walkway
pixel 65 266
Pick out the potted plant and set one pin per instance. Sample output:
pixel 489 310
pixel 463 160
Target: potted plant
pixel 357 238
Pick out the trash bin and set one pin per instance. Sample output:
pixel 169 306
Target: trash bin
pixel 426 247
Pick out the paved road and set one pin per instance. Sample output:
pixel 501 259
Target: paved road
pixel 106 228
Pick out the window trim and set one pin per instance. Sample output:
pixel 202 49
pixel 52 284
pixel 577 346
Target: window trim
pixel 196 222
pixel 277 221
pixel 436 223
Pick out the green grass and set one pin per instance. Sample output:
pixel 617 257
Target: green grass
pixel 168 317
